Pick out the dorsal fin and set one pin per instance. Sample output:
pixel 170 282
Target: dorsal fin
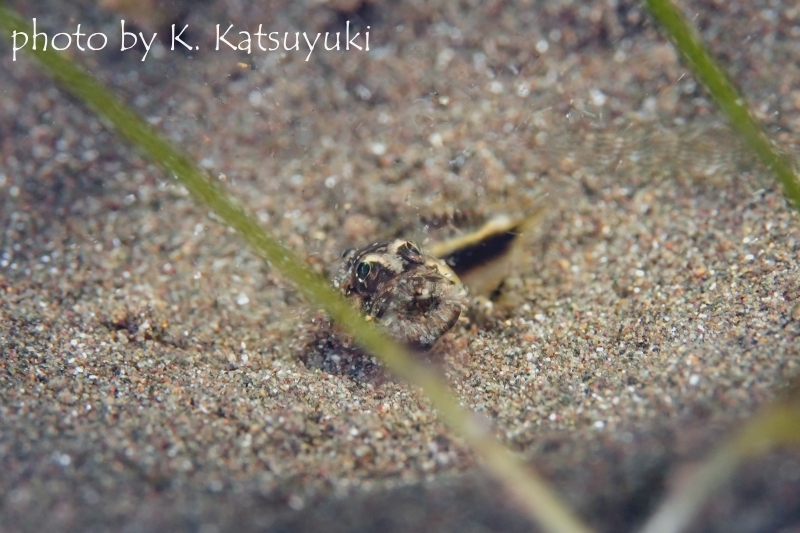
pixel 482 259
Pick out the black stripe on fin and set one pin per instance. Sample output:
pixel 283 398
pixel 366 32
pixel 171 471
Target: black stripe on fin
pixel 486 250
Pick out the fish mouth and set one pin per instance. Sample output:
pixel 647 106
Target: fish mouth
pixel 412 293
pixel 419 307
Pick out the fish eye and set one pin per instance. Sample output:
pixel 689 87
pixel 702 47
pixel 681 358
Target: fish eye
pixel 411 246
pixel 362 270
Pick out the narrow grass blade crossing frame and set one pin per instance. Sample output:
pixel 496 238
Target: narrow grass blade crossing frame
pixel 725 93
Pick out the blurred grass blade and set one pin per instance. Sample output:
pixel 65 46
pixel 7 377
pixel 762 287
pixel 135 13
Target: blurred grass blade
pixel 536 497
pixel 725 94
pixel 777 425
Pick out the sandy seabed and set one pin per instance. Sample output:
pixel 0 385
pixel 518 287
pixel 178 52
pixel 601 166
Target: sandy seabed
pixel 156 376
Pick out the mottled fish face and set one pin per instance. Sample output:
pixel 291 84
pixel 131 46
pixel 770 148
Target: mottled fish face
pixel 416 297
